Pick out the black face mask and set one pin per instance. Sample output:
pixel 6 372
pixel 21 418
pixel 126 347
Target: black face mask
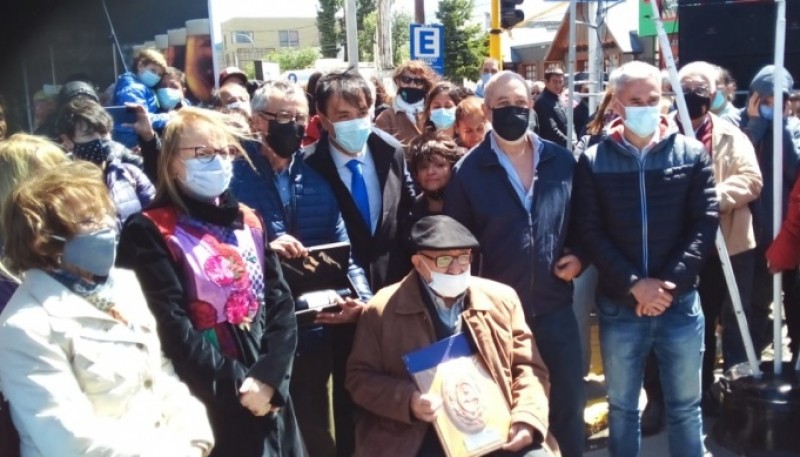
pixel 436 195
pixel 697 105
pixel 96 151
pixel 510 122
pixel 411 95
pixel 285 139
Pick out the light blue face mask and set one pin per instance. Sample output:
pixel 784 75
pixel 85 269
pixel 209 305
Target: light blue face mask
pixel 443 118
pixel 718 102
pixel 352 135
pixel 168 97
pixel 93 252
pixel 767 112
pixel 642 120
pixel 149 78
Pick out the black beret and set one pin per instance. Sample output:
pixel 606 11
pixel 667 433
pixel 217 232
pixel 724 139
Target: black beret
pixel 441 233
pixel 74 89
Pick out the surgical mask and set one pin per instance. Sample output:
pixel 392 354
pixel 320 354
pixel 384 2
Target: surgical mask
pixel 285 139
pixel 240 105
pixel 96 151
pixel 411 95
pixel 696 104
pixel 168 97
pixel 642 120
pixel 718 102
pixel 93 252
pixel 149 78
pixel 767 112
pixel 352 135
pixel 207 180
pixel 511 122
pixel 485 77
pixel 443 118
pixel 449 286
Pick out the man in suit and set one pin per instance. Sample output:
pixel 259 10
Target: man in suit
pixel 366 170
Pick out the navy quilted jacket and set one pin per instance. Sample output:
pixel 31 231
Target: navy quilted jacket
pixel 129 188
pixel 313 215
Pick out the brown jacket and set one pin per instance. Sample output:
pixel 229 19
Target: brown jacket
pixel 396 123
pixel 738 183
pixel 397 322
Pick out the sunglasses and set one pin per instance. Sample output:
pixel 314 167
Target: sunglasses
pixel 412 80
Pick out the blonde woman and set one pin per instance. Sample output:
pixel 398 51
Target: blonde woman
pixel 82 365
pixel 22 155
pixel 225 315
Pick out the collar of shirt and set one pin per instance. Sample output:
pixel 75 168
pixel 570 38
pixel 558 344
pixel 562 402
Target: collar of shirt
pixel 450 316
pixel 653 142
pixel 525 196
pixel 340 159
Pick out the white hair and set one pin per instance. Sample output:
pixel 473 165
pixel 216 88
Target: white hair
pixel 260 101
pixel 634 71
pixel 710 73
pixel 500 78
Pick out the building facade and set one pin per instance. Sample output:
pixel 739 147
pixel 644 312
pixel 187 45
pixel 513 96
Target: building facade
pixel 247 39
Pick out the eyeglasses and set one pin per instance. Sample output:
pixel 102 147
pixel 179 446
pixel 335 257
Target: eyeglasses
pixel 206 154
pixel 702 91
pixel 409 80
pixel 444 261
pixel 284 118
pixel 535 94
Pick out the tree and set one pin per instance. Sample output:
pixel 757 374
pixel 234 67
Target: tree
pixel 465 45
pixel 329 38
pixel 401 37
pixel 366 37
pixel 295 59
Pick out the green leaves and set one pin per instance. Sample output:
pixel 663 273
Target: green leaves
pixel 466 44
pixel 294 59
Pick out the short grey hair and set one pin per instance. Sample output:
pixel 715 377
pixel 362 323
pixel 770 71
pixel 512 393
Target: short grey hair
pixel 634 71
pixel 710 73
pixel 500 78
pixel 260 101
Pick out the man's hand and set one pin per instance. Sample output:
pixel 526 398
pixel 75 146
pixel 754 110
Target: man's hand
pixel 752 105
pixel 567 267
pixel 350 312
pixel 519 436
pixel 256 396
pixel 288 247
pixel 425 407
pixel 652 296
pixel 142 126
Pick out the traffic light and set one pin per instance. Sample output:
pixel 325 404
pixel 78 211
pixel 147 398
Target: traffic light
pixel 509 14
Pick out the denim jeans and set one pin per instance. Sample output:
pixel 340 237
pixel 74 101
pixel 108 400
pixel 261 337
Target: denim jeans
pixel 557 339
pixel 676 337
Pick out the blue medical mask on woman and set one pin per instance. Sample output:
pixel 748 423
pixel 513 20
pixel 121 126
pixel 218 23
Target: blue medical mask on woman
pixel 718 102
pixel 443 118
pixel 206 181
pixel 149 78
pixel 93 252
pixel 168 97
pixel 767 112
pixel 352 135
pixel 642 120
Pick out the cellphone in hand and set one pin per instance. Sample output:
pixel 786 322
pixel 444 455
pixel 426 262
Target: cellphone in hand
pixel 122 114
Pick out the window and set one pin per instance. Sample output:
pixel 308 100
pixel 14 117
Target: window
pixel 242 37
pixel 289 38
pixel 530 72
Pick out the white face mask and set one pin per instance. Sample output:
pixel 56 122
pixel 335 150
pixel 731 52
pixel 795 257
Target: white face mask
pixel 207 180
pixel 449 286
pixel 244 106
pixel 642 120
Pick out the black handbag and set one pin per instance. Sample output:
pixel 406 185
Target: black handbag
pixel 9 438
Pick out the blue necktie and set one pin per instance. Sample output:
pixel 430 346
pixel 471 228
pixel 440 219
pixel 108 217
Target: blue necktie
pixel 358 189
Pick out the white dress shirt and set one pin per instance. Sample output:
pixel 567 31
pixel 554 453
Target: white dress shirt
pixel 371 180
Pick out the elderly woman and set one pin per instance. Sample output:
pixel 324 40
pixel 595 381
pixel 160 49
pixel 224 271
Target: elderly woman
pixel 21 156
pixel 414 79
pixel 82 365
pixel 433 155
pixel 225 314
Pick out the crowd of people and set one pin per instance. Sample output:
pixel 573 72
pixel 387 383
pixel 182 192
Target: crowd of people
pixel 146 312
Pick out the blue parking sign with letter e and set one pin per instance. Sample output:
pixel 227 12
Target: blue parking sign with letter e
pixel 427 44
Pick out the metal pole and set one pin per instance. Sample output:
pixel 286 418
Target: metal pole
pixel 573 10
pixel 114 59
pixel 114 35
pixel 27 95
pixel 495 51
pixel 352 33
pixel 52 65
pixel 777 176
pixel 419 11
pixel 594 48
pixel 722 249
pixel 215 51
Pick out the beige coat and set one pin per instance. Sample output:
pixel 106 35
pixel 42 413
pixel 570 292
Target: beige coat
pixel 396 123
pixel 738 183
pixel 397 322
pixel 83 384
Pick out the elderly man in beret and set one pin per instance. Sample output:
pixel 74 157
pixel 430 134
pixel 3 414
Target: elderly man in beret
pixel 438 299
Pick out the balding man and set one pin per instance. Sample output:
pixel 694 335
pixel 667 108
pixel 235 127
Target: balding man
pixel 513 192
pixel 648 215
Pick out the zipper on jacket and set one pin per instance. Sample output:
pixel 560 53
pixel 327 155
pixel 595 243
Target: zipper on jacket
pixel 530 239
pixel 643 199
